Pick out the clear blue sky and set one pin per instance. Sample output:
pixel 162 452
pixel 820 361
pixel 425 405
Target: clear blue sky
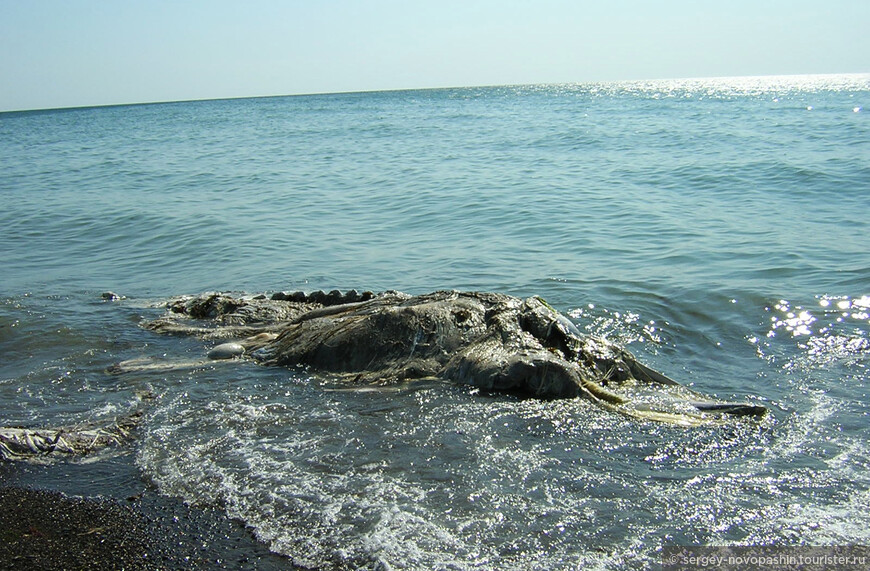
pixel 62 53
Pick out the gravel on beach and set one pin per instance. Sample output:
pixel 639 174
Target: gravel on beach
pixel 48 530
pixel 43 529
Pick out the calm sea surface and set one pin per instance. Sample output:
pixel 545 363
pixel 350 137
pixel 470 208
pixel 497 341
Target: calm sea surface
pixel 718 228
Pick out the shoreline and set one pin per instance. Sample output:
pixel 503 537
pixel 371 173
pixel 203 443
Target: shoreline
pixel 50 518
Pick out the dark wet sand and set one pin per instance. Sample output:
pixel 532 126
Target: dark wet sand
pixel 48 530
pixel 41 529
pixel 57 517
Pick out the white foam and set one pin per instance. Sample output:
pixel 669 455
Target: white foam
pixel 440 478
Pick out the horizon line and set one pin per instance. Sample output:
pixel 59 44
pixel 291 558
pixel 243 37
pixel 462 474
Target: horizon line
pixel 431 88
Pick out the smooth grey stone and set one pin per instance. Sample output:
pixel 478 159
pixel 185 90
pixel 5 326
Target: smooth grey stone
pixel 226 351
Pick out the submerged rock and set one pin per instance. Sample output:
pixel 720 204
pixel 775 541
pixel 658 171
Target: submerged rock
pixel 491 341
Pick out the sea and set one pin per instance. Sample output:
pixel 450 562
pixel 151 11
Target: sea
pixel 717 228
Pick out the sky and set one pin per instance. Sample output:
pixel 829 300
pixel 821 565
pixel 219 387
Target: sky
pixel 70 53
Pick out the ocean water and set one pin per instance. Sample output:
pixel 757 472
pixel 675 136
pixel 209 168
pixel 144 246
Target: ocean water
pixel 717 228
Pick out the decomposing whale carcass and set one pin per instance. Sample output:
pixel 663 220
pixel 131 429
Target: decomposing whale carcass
pixel 491 341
